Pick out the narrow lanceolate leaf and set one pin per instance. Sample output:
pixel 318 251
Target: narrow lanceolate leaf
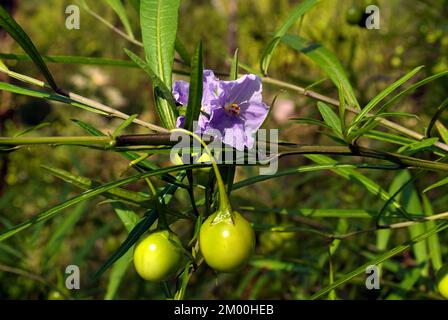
pixel 158 20
pixel 60 232
pixel 439 183
pixel 443 131
pixel 117 274
pixel 182 52
pixel 3 66
pixel 8 23
pixel 353 175
pixel 166 109
pixel 330 118
pixel 384 257
pixel 327 61
pixel 296 14
pixel 46 95
pixel 73 60
pixel 234 67
pixel 411 89
pixel 129 219
pixel 47 214
pixel 411 202
pixel 434 247
pixel 436 116
pixel 418 146
pixel 195 91
pixel 383 94
pixel 124 125
pixel 119 9
pixel 86 184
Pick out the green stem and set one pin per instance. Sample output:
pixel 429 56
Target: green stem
pixel 224 207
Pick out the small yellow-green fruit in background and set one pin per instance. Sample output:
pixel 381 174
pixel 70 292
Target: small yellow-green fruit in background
pixel 55 295
pixel 158 256
pixel 442 281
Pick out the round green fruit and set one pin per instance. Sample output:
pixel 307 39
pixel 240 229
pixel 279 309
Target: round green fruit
pixel 442 281
pixel 226 243
pixel 353 15
pixel 158 256
pixel 55 295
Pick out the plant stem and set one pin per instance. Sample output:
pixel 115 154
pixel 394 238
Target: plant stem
pixel 111 111
pixel 55 140
pixel 224 207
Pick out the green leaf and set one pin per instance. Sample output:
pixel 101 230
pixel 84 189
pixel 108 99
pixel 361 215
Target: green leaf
pixel 318 213
pixel 73 60
pixel 411 203
pixel 45 95
pixel 129 219
pixel 296 13
pixel 3 66
pixel 88 128
pixel 117 274
pixel 86 184
pixel 61 231
pixel 347 170
pixel 8 23
pixel 195 91
pixel 353 175
pixel 124 125
pixel 388 137
pixel 418 146
pixel 330 118
pixel 119 9
pixel 33 128
pixel 182 51
pixel 311 122
pixel 166 111
pixel 436 116
pixel 439 183
pixel 389 254
pixel 383 94
pixel 435 251
pixel 47 214
pixel 443 131
pixel 158 20
pixel 411 89
pixel 145 164
pixel 234 66
pixel 327 61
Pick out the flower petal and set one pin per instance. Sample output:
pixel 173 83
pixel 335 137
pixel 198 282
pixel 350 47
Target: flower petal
pixel 180 92
pixel 245 88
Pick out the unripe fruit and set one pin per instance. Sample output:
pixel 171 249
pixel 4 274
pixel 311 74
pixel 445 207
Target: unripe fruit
pixel 55 295
pixel 353 15
pixel 226 244
pixel 442 281
pixel 158 256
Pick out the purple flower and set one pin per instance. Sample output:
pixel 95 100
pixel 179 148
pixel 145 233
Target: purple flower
pixel 232 111
pixel 239 112
pixel 180 121
pixel 180 92
pixel 209 97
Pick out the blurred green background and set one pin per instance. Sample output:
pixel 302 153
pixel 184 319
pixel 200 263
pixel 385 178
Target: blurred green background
pixel 294 265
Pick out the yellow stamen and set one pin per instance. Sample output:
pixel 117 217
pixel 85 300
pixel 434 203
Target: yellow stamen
pixel 233 109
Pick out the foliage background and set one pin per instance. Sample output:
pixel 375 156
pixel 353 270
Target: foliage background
pixel 294 265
